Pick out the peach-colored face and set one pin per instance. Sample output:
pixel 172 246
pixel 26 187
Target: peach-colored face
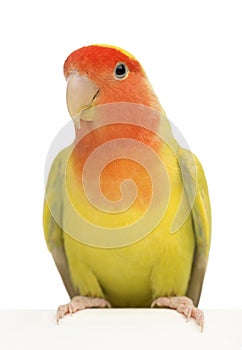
pixel 117 76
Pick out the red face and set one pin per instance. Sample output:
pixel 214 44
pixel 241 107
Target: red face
pixel 118 76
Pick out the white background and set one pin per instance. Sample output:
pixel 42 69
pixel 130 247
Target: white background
pixel 191 51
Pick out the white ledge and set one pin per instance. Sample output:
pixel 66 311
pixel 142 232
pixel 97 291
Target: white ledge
pixel 119 329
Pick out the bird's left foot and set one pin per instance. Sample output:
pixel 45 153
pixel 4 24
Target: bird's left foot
pixel 183 305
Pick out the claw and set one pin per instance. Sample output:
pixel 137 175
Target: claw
pixel 188 313
pixel 183 305
pixel 80 303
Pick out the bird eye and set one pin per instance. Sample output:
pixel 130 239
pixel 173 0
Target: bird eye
pixel 121 71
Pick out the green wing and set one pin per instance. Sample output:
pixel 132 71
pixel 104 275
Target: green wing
pixel 197 193
pixel 53 208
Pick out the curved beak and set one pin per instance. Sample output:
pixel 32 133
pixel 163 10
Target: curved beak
pixel 80 94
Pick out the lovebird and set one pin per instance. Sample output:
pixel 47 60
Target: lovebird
pixel 127 213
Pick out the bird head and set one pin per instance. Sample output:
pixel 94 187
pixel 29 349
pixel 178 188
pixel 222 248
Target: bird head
pixel 101 74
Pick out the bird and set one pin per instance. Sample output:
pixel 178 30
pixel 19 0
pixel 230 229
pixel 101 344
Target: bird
pixel 127 215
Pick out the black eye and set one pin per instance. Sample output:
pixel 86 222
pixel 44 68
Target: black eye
pixel 121 70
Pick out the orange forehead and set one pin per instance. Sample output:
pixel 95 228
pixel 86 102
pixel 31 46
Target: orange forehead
pixel 97 58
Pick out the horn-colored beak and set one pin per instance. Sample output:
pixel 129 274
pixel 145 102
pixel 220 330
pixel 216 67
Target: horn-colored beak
pixel 80 94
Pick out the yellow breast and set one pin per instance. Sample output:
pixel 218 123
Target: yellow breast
pixel 150 265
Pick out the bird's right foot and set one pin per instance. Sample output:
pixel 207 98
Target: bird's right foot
pixel 80 303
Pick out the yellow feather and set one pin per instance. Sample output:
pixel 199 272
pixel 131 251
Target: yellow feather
pixel 119 49
pixel 160 263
